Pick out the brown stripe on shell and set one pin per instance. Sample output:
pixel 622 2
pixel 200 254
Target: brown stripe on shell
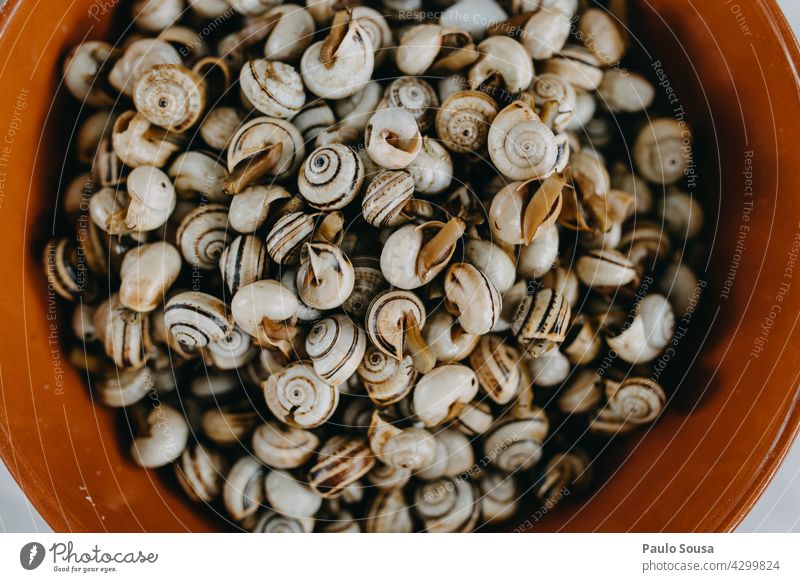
pixel 343 460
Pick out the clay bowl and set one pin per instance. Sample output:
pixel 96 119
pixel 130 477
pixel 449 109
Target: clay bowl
pixel 733 382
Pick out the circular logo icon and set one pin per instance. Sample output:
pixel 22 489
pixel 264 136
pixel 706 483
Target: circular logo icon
pixel 31 555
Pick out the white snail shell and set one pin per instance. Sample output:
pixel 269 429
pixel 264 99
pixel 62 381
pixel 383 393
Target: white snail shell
pixel 454 456
pixel 662 150
pixel 495 262
pixel 298 397
pixel 499 497
pixel 637 400
pixel 386 379
pixel 147 272
pixel 516 444
pixel 250 208
pixel 520 145
pixel 199 472
pixel 464 119
pixel 284 447
pixel 432 169
pixel 392 138
pixel 256 135
pixel 582 394
pixel 289 496
pixel 124 333
pixel 505 58
pixel 263 300
pixel 408 448
pixel 649 333
pixel 447 339
pixel 272 87
pixel 414 95
pixel 163 439
pixel 473 297
pixel 325 277
pixel 447 505
pixel 443 392
pixel 203 236
pixel 170 96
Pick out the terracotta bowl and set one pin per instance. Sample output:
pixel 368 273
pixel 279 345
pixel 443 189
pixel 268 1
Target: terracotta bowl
pixel 733 382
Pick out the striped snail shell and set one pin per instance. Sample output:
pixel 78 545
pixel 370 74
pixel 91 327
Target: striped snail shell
pixel 464 119
pixel 551 89
pixel 473 297
pixel 331 177
pixel 447 505
pixel 272 87
pixel 233 351
pixel 199 472
pixel 416 96
pixel 243 261
pixel 389 513
pixel 565 473
pixel 342 461
pixel 161 436
pixel 230 424
pixel 195 319
pixel 284 447
pixel 386 379
pixel 605 422
pixel 243 491
pixel 582 394
pixel 405 448
pixel 388 200
pixel 290 496
pixel 443 392
pixel 369 281
pixel 124 387
pixel 454 456
pixel 62 266
pixel 203 235
pixel 298 397
pixel 313 119
pixel 516 444
pixel 250 154
pixel 325 277
pixel 447 339
pixel 520 145
pixel 386 477
pixel 336 347
pixel 541 321
pixel 496 363
pixel 170 96
pixel 636 399
pixel 648 334
pixel 124 333
pixel 394 322
pixel 288 235
pixel 499 496
pixel 277 523
pixel 578 66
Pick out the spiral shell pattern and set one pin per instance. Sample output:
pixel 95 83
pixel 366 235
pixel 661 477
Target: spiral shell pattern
pixel 636 400
pixel 300 398
pixel 416 96
pixel 541 321
pixel 548 88
pixel 331 177
pixel 284 447
pixel 232 351
pixel 272 87
pixel 386 197
pixel 243 261
pixel 369 281
pixel 124 333
pixel 203 235
pixel 464 119
pixel 61 269
pixel 447 505
pixel 199 472
pixel 336 346
pixel 385 320
pixel 274 522
pixel 519 442
pixel 195 319
pixel 496 364
pixel 520 145
pixel 389 513
pixel 170 96
pixel 342 461
pixel 288 235
pixel 386 379
pixel 243 491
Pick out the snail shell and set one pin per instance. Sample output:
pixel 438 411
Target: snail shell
pixel 414 95
pixel 139 57
pixel 195 319
pixel 304 313
pixel 392 138
pixel 387 478
pixel 502 59
pixel 199 472
pixel 250 208
pixel 229 424
pixel 219 126
pixel 300 398
pixel 546 32
pixel 605 422
pixel 549 88
pixel 368 283
pixel 243 491
pixel 564 474
pixel 257 135
pixel 499 496
pixel 648 334
pixel 662 150
pixel 538 258
pixel 389 513
pixel 582 394
pixel 474 419
pixel 386 379
pixel 125 387
pixel 350 66
pixel 355 111
pixel 447 339
pixel 62 268
pixel 447 505
pixel 83 69
pixel 289 496
pixel 626 93
pixel 583 342
pixel 565 282
pixel 404 448
pixel 161 438
pixel 387 198
pixel 272 87
pixel 494 261
pixel 331 177
pixel 288 235
pixel 520 145
pixel 605 269
pixel 680 285
pixel 454 456
pixel 152 200
pixel 272 522
pixel 464 119
pixel 265 300
pixel 541 321
pixel 124 333
pixel 147 272
pixel 682 213
pixel 602 36
pixel 231 352
pixel 636 400
pixel 377 29
pixel 430 46
pixel 516 444
pixel 284 447
pixel 496 363
pixel 472 296
pixel 170 96
pixel 134 146
pixel 156 15
pixel 203 236
pixel 243 261
pixel 443 392
pixel 432 169
pixel 199 174
pixel 325 277
pixel 386 317
pixel 342 461
pixel 578 66
pixel 336 347
pixel 313 119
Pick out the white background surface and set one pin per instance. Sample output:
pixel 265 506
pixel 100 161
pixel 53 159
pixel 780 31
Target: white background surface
pixel 777 511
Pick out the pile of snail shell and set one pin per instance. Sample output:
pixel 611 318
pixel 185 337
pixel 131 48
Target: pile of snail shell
pixel 348 271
